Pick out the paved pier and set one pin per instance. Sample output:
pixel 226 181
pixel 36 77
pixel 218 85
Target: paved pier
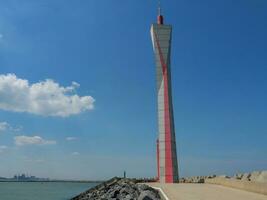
pixel 188 191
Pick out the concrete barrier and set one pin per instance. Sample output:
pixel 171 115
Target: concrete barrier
pixel 239 184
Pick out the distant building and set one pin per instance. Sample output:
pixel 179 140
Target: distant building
pixel 24 177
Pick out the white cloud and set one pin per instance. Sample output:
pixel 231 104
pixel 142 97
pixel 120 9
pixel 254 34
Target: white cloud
pixel 71 138
pixel 19 128
pixel 4 126
pixel 75 153
pixel 34 140
pixel 45 98
pixel 2 148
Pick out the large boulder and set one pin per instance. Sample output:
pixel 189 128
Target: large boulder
pixel 193 179
pixel 246 177
pixel 238 176
pixel 182 180
pixel 262 178
pixel 254 176
pixel 198 179
pixel 148 195
pixel 142 187
pixel 223 176
pixel 129 197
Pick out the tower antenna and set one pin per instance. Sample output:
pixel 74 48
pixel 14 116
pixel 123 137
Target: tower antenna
pixel 160 17
pixel 159 7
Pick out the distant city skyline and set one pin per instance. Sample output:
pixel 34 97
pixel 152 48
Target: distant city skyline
pixel 78 87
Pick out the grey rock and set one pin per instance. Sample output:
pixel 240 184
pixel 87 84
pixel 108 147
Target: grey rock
pixel 147 195
pixel 142 187
pixel 129 197
pixel 113 194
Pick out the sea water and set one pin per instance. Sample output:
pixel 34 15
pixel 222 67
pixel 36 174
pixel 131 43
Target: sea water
pixel 42 190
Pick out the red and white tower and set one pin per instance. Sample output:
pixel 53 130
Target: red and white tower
pixel 166 145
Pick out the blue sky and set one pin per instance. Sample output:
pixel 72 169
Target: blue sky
pixel 101 51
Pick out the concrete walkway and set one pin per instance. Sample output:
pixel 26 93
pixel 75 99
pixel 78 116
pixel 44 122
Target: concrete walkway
pixel 205 192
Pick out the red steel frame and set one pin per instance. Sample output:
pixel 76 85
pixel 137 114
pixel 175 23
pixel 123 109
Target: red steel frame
pixel 158 160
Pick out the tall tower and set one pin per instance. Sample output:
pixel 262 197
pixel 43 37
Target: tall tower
pixel 166 145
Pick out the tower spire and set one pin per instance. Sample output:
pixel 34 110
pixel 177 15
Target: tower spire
pixel 160 17
pixel 159 8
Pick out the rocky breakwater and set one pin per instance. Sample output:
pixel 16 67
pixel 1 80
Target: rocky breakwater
pixel 256 176
pixel 119 189
pixel 195 179
pixel 253 182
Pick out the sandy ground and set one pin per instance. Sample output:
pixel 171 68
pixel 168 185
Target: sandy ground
pixel 189 191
